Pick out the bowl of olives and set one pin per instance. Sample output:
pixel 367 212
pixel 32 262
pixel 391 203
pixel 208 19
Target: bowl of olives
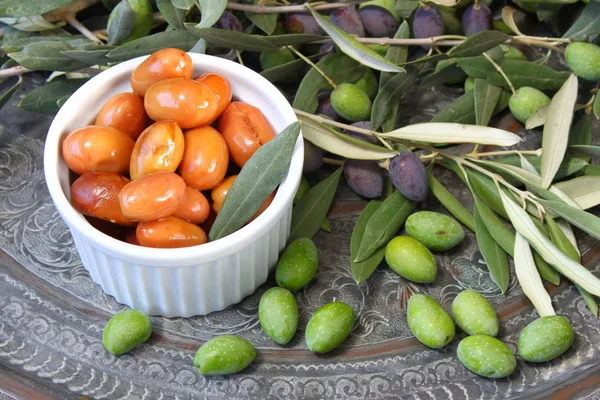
pixel 138 163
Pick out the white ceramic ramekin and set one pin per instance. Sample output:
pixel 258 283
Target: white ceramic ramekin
pixel 188 281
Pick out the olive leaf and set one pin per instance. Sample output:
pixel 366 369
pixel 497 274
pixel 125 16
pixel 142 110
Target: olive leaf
pixel 47 56
pixel 549 252
pixel 211 11
pixel 265 22
pixel 461 110
pixel 121 24
pixel 568 167
pixel 384 224
pixel 538 118
pixel 362 270
pixel 442 132
pixel 309 213
pixel 495 258
pixel 340 144
pixel 447 74
pixel 478 43
pixel 486 190
pixel 556 129
pixel 508 16
pixel 31 23
pixel 405 8
pixel 174 16
pixel 596 106
pixel 587 25
pixel 450 202
pixel 18 44
pixel 20 8
pixel 495 227
pixel 339 67
pixel 585 190
pixel 183 40
pixel 486 99
pixel 199 47
pixel 581 133
pixel 386 102
pixel 584 150
pixel 396 54
pixel 292 39
pixel 259 177
pixel 44 98
pixel 529 278
pixel 582 219
pixel 8 94
pixel 354 48
pixel 98 56
pixel 232 39
pixel 286 71
pixel 183 4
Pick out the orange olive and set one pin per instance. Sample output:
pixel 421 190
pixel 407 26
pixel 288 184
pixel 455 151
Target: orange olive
pixel 97 148
pixel 159 148
pixel 170 232
pixel 205 158
pixel 210 220
pixel 219 193
pixel 220 86
pixel 184 101
pixel 96 194
pixel 161 65
pixel 124 112
pixel 152 196
pixel 245 129
pixel 130 236
pixel 195 207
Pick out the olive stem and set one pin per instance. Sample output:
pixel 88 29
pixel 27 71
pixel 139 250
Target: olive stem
pixel 499 69
pixel 287 9
pixel 313 65
pixel 537 152
pixel 333 161
pixel 14 71
pixel 81 28
pixel 239 57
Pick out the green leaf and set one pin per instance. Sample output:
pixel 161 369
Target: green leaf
pixel 199 47
pixel 232 39
pixel 47 56
pixel 287 71
pixel 427 59
pixel 443 132
pixel 485 188
pixel 20 8
pixel 585 190
pixel 91 57
pixel 183 4
pixel 529 278
pixel 211 11
pixel 149 44
pixel 388 97
pixel 396 54
pixel 556 129
pixel 538 118
pixel 340 144
pixel 354 48
pixel 405 8
pixel 18 44
pixel 587 25
pixel 292 39
pixel 486 99
pixel 43 99
pixel 339 67
pixel 265 22
pixel 362 270
pixel 174 16
pixel 121 24
pixel 325 226
pixel 261 174
pixel 493 255
pixel 546 271
pixel 596 107
pixel 495 227
pixel 582 219
pixel 581 133
pixel 451 204
pixel 461 110
pixel 448 74
pixel 310 211
pixel 8 94
pixel 478 43
pixel 384 224
pixel 585 150
pixel 568 167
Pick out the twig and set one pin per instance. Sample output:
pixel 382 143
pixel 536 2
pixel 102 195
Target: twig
pixel 288 9
pixel 313 65
pixel 410 42
pixel 537 152
pixel 499 69
pixel 333 161
pixel 14 71
pixel 81 28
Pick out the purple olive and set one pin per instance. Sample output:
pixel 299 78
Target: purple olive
pixel 428 22
pixel 301 23
pixel 409 176
pixel 477 18
pixel 326 50
pixel 378 21
pixel 229 21
pixel 348 20
pixel 364 177
pixel 325 107
pixel 313 157
pixel 362 136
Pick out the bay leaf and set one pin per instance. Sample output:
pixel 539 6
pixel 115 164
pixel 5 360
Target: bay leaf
pixel 353 48
pixel 556 129
pixel 174 16
pixel 529 278
pixel 339 67
pixel 47 56
pixel 43 99
pixel 587 25
pixel 585 190
pixel 384 224
pixel 461 110
pixel 149 44
pixel 8 94
pixel 362 270
pixel 309 213
pixel 341 144
pixel 495 258
pixel 211 11
pixel 259 177
pixel 120 26
pixel 20 8
pixel 450 202
pixel 231 39
pixel 387 99
pixel 486 99
pixel 478 43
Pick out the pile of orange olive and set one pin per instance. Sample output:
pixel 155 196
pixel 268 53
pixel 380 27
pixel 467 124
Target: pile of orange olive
pixel 153 156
